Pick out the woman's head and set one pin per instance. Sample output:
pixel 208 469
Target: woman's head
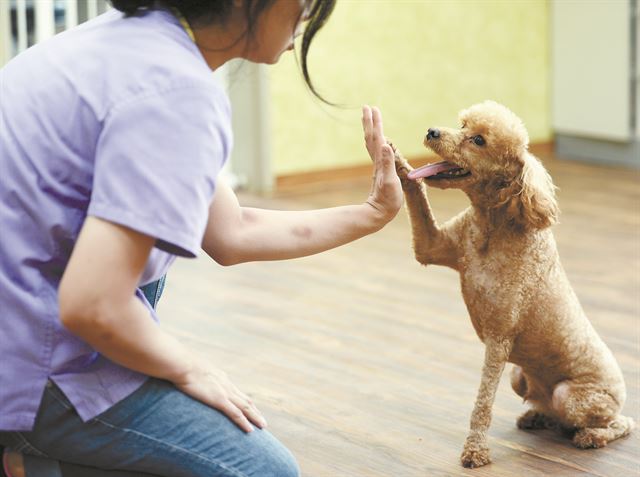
pixel 267 27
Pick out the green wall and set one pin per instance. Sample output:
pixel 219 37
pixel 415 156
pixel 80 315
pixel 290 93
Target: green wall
pixel 421 62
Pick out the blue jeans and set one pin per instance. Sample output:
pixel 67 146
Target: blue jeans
pixel 156 431
pixel 153 291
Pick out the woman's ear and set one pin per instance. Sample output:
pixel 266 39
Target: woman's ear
pixel 530 201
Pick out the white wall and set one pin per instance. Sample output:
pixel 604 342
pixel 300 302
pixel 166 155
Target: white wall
pixel 591 65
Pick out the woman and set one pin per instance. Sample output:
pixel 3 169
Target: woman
pixel 113 135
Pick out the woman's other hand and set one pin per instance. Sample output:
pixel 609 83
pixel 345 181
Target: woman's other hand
pixel 214 388
pixel 386 191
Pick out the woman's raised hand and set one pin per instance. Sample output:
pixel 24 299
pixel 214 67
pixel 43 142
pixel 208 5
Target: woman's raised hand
pixel 386 191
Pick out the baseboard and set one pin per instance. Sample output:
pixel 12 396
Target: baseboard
pixel 341 176
pixel 598 151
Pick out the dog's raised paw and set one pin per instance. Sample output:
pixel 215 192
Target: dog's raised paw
pixel 401 162
pixel 402 169
pixel 475 457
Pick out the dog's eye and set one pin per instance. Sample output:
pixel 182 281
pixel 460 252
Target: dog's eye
pixel 478 140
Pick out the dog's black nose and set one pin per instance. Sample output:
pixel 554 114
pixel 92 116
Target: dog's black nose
pixel 433 133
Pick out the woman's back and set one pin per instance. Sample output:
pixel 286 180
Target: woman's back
pixel 73 109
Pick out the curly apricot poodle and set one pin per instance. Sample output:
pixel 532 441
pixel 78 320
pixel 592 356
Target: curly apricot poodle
pixel 517 293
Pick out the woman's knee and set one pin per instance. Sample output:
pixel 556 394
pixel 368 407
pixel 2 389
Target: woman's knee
pixel 289 467
pixel 273 459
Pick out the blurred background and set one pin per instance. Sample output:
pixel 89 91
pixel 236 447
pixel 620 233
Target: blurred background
pixel 364 362
pixel 568 68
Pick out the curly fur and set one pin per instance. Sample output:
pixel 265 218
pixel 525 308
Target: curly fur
pixel 518 296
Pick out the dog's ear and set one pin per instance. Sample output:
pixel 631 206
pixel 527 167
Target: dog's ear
pixel 530 201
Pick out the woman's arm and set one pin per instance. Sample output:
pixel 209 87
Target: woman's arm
pixel 238 234
pixel 97 303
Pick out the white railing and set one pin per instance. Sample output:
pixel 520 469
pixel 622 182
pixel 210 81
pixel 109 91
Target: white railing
pixel 71 13
pixel 26 22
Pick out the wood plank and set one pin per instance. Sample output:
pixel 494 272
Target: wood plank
pixel 365 362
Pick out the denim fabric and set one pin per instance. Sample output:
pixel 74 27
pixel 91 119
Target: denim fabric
pixel 153 291
pixel 157 431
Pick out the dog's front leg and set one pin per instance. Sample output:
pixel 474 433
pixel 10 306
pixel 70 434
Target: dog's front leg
pixel 431 244
pixel 476 449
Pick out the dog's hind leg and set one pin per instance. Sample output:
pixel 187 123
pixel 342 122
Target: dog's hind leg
pixel 534 418
pixel 519 381
pixel 594 412
pixel 593 437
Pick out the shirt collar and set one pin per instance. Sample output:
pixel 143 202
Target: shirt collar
pixel 185 24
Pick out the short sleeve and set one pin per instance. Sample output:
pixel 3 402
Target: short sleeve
pixel 156 162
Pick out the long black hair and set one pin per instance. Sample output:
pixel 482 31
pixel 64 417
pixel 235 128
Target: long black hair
pixel 207 12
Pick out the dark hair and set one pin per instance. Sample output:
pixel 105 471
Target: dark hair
pixel 206 12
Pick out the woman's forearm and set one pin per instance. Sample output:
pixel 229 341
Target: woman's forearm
pixel 262 234
pixel 128 336
pixel 97 302
pixel 278 235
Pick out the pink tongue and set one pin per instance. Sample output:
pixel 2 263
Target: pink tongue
pixel 431 169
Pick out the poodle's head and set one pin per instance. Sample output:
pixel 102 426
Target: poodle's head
pixel 487 158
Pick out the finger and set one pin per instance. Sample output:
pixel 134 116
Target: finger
pixel 249 409
pixel 377 123
pixel 236 415
pixel 367 123
pixel 366 114
pixel 243 401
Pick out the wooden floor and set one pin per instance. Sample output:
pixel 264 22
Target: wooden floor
pixel 366 363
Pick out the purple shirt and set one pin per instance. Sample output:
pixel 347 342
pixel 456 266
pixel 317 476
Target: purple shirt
pixel 120 119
